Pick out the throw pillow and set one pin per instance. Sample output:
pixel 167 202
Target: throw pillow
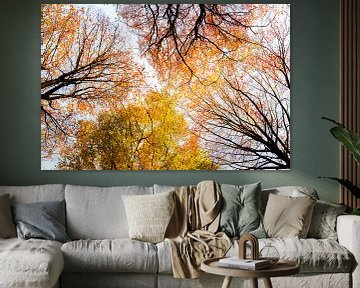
pixel 288 217
pixel 290 191
pixel 323 222
pixel 149 215
pixel 240 213
pixel 7 226
pixel 43 220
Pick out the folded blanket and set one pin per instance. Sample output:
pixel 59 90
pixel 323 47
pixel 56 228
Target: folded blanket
pixel 191 231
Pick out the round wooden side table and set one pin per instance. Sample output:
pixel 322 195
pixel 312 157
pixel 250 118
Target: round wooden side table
pixel 281 268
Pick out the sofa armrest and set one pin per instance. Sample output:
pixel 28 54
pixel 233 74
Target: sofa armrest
pixel 348 230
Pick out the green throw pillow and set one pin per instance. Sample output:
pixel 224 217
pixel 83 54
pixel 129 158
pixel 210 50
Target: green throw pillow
pixel 323 223
pixel 240 213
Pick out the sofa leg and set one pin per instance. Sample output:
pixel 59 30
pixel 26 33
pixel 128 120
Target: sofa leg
pixel 267 282
pixel 254 282
pixel 227 282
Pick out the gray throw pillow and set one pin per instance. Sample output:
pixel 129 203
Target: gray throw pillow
pixel 240 213
pixel 44 220
pixel 7 226
pixel 323 222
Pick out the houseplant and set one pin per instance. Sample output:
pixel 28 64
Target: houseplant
pixel 351 141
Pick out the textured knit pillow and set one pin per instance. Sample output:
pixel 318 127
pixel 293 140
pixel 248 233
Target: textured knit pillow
pixel 240 213
pixel 323 222
pixel 7 226
pixel 149 215
pixel 43 220
pixel 288 217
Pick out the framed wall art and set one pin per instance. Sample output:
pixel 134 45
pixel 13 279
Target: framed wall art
pixel 165 87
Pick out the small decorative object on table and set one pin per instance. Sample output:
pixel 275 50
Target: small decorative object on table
pixel 241 261
pixel 254 246
pixel 270 253
pixel 280 268
pixel 248 264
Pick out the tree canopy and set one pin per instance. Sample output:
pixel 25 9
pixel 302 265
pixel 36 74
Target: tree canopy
pixel 84 67
pixel 148 134
pixel 233 64
pixel 166 86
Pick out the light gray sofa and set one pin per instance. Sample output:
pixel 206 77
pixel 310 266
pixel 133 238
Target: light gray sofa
pixel 101 254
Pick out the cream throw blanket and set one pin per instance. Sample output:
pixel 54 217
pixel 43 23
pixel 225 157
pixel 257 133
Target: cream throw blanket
pixel 191 231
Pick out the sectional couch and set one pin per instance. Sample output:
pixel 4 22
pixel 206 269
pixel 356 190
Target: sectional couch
pixel 100 253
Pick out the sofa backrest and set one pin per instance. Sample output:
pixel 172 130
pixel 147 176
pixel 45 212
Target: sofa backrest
pixel 98 212
pixel 35 193
pixel 163 188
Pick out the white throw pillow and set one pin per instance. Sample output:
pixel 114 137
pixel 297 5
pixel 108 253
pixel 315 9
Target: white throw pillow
pixel 149 215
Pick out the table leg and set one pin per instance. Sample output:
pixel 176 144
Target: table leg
pixel 267 283
pixel 227 282
pixel 254 282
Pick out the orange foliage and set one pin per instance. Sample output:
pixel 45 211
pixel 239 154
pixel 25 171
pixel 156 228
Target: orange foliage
pixel 231 64
pixel 226 67
pixel 146 134
pixel 84 65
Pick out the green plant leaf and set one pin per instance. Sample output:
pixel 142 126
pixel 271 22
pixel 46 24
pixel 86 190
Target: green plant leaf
pixel 347 184
pixel 333 121
pixel 355 211
pixel 349 139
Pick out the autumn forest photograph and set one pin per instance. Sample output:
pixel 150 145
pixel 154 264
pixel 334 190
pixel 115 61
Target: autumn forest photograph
pixel 165 86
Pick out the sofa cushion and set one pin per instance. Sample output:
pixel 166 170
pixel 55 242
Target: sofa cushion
pixel 98 213
pixel 287 216
pixel 30 263
pixel 163 188
pixel 149 215
pixel 164 257
pixel 290 191
pixel 313 255
pixel 240 210
pixel 7 226
pixel 43 220
pixel 116 255
pixel 34 193
pixel 323 222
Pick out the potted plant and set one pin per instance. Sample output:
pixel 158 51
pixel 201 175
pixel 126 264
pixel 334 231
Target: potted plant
pixel 351 141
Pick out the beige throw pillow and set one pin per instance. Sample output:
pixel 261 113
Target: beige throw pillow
pixel 7 226
pixel 288 217
pixel 149 215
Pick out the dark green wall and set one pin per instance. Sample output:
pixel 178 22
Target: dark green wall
pixel 314 93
